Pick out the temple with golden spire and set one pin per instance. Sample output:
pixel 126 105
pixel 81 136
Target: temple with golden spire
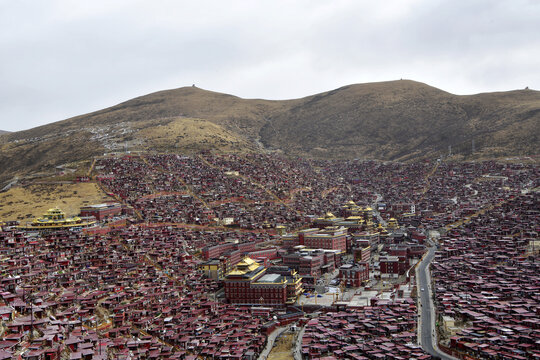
pixel 352 216
pixel 55 219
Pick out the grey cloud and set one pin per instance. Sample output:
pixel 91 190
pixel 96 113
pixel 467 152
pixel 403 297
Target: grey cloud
pixel 62 58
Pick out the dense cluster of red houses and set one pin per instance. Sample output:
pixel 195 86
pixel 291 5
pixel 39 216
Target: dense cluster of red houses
pixel 487 279
pixel 154 289
pixel 386 330
pixel 133 286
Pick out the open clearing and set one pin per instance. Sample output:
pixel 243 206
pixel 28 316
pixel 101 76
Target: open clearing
pixel 283 348
pixel 26 203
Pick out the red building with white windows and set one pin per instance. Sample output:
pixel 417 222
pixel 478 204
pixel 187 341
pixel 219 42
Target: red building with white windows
pixel 330 238
pixel 354 275
pixel 393 265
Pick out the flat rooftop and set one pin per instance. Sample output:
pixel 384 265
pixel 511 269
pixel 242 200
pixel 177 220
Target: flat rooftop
pixel 270 278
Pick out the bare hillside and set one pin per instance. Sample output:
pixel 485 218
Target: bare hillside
pixel 396 120
pixel 403 120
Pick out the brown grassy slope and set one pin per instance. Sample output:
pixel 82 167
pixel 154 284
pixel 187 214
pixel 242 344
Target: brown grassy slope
pixel 69 140
pixel 239 115
pixel 236 114
pixel 191 135
pixel 30 156
pixel 405 119
pixel 29 202
pixel 505 123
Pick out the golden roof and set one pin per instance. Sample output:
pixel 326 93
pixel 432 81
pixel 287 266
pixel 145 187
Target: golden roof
pixel 54 211
pixel 55 218
pixel 358 219
pixel 329 215
pixel 243 267
pixel 392 223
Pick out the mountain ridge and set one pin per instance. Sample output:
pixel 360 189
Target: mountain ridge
pixel 391 120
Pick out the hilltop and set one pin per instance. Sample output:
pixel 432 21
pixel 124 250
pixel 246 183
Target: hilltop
pixel 395 120
pixel 403 120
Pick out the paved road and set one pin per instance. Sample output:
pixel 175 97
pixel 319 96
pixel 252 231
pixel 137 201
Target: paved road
pixel 375 212
pixel 297 349
pixel 427 313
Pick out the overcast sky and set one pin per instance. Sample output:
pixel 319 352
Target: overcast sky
pixel 61 58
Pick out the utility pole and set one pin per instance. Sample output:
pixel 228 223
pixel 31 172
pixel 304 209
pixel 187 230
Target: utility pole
pixel 472 147
pixel 449 150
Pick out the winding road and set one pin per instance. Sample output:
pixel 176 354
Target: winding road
pixel 428 339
